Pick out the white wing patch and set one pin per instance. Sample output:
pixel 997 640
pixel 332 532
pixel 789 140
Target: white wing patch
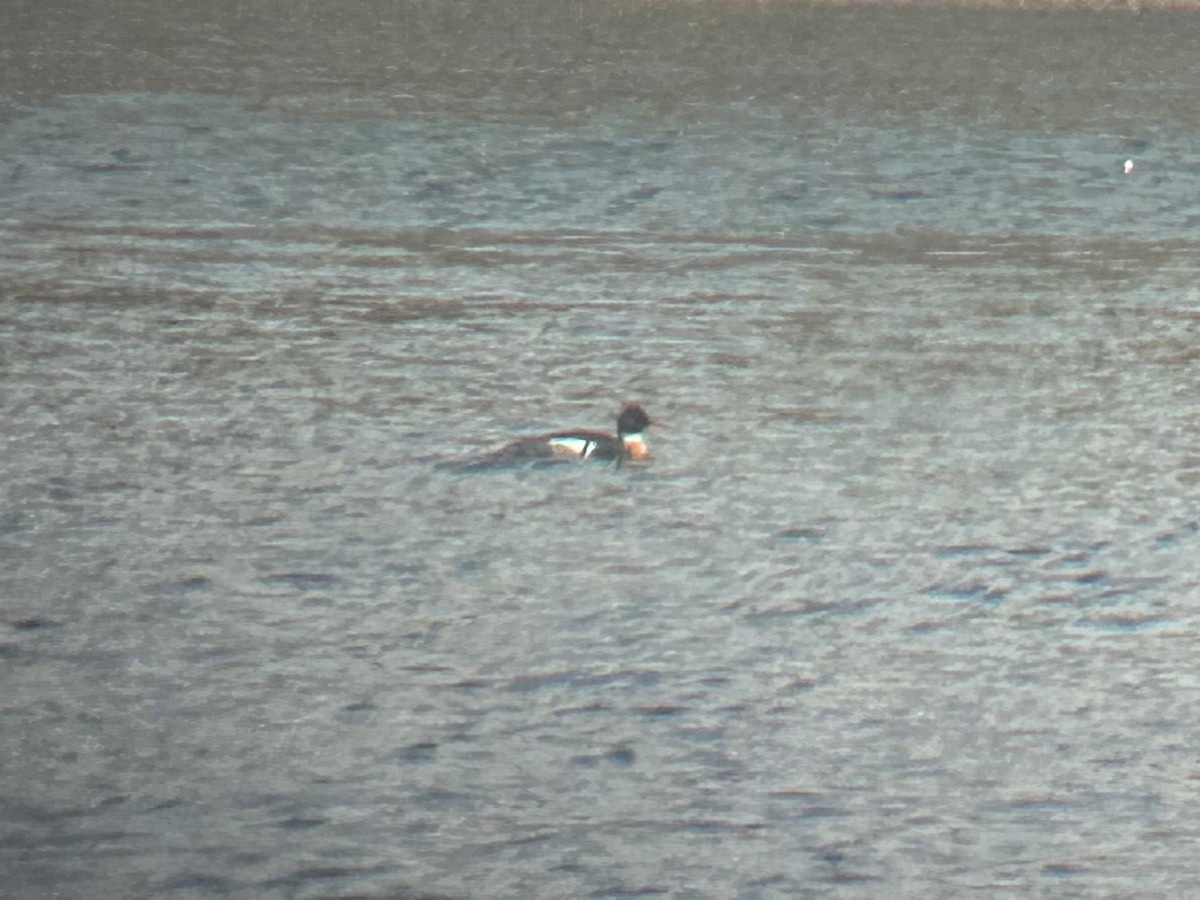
pixel 572 446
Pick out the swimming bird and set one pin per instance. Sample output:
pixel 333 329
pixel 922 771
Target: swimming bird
pixel 628 444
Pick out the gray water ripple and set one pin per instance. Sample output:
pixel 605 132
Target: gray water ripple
pixel 902 604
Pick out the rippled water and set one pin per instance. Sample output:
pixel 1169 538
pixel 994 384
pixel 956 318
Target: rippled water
pixel 904 605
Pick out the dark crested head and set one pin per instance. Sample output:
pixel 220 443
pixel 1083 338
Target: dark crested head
pixel 632 420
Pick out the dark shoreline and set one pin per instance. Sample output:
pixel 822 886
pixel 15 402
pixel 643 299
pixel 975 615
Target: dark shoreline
pixel 464 52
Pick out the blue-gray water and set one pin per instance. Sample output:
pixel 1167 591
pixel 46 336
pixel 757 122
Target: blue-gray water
pixel 904 606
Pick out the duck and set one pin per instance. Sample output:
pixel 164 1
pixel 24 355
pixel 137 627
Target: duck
pixel 628 444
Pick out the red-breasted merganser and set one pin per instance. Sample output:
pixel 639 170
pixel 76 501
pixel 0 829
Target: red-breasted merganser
pixel 629 443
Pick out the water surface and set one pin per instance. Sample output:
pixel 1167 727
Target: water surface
pixel 904 604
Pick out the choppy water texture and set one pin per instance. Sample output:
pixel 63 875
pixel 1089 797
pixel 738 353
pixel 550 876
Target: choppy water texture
pixel 904 606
